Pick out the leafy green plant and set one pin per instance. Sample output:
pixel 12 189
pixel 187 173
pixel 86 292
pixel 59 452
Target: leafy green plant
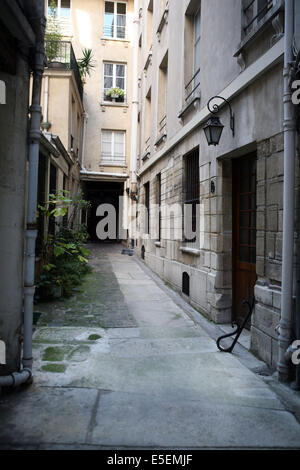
pixel 64 255
pixel 115 93
pixel 86 63
pixel 53 34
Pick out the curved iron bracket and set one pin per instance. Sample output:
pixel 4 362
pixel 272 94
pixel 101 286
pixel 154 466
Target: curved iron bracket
pixel 238 330
pixel 216 108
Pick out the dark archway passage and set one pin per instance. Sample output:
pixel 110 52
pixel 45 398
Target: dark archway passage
pixel 102 192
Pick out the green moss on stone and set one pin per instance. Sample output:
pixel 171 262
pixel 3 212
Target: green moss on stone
pixel 94 337
pixel 55 353
pixel 58 368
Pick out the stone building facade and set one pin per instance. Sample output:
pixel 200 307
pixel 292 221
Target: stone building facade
pixel 105 27
pixel 191 51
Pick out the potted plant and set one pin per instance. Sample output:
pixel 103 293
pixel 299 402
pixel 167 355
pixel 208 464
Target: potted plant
pixel 85 64
pixel 115 94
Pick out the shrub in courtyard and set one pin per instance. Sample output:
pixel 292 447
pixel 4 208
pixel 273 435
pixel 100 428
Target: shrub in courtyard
pixel 64 256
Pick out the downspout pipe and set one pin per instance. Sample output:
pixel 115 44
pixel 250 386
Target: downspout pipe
pixel 289 127
pixel 134 118
pixel 17 378
pixel 135 97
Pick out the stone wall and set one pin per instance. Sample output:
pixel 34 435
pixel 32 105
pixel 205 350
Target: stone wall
pixel 13 123
pixel 269 248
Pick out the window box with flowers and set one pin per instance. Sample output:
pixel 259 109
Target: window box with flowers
pixel 115 94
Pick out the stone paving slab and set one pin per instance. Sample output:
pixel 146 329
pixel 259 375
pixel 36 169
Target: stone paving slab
pixel 156 332
pixel 47 415
pixel 156 422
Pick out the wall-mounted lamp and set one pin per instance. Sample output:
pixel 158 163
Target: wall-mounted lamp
pixel 213 128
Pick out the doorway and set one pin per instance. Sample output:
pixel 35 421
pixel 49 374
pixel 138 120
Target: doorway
pixel 244 234
pixel 97 193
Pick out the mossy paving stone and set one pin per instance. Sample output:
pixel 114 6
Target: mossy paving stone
pixel 98 302
pixel 58 368
pixel 55 353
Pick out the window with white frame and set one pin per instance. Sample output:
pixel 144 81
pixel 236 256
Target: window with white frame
pixel 114 82
pixel 113 147
pixel 114 20
pixel 63 13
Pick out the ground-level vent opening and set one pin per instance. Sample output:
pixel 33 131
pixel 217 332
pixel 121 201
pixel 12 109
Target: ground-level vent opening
pixel 186 284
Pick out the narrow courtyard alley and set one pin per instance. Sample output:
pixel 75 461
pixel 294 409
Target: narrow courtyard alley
pixel 123 365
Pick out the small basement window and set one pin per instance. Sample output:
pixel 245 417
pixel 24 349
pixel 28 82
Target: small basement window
pixel 186 284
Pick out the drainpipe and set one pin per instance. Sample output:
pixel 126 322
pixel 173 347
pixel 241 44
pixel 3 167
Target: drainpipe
pixel 18 378
pixel 85 119
pixel 46 125
pixel 296 385
pixel 289 126
pixel 134 111
pixel 135 97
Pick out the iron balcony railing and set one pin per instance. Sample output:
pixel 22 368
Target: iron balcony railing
pixel 191 88
pixel 162 126
pixel 253 11
pixel 113 159
pixel 60 54
pixel 114 32
pixel 147 145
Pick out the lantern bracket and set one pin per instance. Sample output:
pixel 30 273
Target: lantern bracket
pixel 215 108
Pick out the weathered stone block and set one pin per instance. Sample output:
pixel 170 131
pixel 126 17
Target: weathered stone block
pixel 205 172
pixel 270 246
pixel 260 246
pixel 220 316
pixel 261 344
pixel 261 169
pixel 260 195
pixel 278 248
pixel 277 143
pixel 266 319
pixel 273 270
pixel 260 220
pixel 275 165
pixel 277 299
pixel 274 193
pixel 260 266
pixel 263 148
pixel 274 351
pixel 263 295
pixel 272 220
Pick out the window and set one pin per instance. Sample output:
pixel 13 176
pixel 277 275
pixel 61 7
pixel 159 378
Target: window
pixel 162 97
pixel 113 147
pixel 114 77
pixel 63 8
pixel 253 12
pixel 147 207
pixel 149 25
pixel 158 202
pixel 147 121
pixel 192 195
pixel 192 35
pixel 63 14
pixel 197 23
pixel 114 20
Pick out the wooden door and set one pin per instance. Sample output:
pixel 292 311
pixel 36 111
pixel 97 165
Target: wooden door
pixel 244 233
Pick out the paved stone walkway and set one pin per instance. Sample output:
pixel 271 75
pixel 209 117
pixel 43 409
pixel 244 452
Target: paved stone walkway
pixel 123 365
